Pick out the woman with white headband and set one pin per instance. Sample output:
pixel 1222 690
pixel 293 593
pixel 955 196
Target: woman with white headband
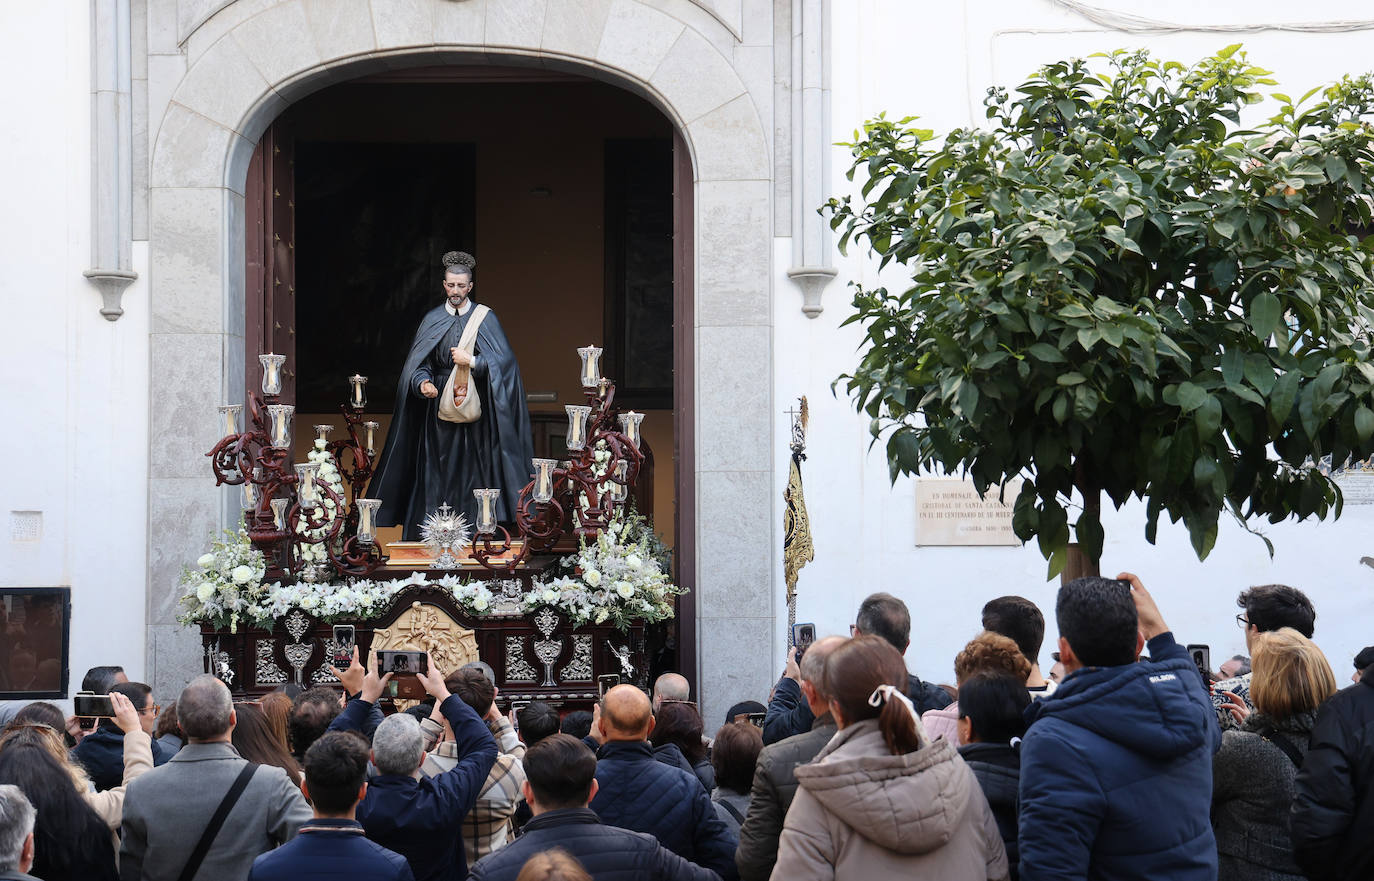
pixel 881 800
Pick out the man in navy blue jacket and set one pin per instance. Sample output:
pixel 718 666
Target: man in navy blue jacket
pixel 332 845
pixel 1116 769
pixel 637 792
pixel 559 782
pixel 419 817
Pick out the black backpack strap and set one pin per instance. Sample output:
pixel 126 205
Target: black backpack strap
pixel 732 811
pixel 207 837
pixel 1283 743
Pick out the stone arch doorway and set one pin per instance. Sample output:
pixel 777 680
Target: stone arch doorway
pixel 250 64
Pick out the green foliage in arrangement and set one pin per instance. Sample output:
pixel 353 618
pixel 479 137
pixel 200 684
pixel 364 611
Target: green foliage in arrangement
pixel 1116 289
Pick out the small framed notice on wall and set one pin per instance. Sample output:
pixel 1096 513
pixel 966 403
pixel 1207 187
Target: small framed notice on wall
pixel 950 513
pixel 35 629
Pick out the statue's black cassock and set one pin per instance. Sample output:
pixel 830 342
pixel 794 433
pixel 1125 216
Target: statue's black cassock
pixel 427 461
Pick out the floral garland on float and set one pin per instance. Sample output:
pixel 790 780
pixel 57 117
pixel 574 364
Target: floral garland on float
pixel 620 577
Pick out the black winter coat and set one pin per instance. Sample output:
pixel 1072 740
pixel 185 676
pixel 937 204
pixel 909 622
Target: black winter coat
pixel 607 853
pixel 998 769
pixel 1333 813
pixel 638 793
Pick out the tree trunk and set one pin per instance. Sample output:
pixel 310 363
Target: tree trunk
pixel 1077 565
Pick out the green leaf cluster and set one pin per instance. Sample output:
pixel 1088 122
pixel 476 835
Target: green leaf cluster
pixel 1116 290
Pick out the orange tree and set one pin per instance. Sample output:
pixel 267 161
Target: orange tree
pixel 1117 291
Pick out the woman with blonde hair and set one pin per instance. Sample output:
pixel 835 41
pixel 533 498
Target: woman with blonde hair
pixel 987 652
pixel 1254 772
pixel 881 800
pixel 553 865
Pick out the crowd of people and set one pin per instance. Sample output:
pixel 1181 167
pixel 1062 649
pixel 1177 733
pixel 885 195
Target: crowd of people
pixel 1126 761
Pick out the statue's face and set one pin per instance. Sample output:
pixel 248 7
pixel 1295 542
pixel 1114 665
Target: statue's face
pixel 457 288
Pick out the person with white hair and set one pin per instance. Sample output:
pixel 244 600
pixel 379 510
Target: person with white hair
pixel 419 817
pixel 17 818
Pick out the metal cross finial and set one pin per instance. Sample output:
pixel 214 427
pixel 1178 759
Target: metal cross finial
pixel 800 417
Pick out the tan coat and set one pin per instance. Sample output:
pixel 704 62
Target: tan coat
pixel 863 813
pixel 138 759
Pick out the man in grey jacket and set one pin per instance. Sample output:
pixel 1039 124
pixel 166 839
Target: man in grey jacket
pixel 167 810
pixel 775 775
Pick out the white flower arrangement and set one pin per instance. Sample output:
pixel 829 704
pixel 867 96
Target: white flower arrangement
pixel 619 577
pixel 312 549
pixel 225 585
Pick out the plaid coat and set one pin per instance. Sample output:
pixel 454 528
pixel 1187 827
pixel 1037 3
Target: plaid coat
pixel 487 827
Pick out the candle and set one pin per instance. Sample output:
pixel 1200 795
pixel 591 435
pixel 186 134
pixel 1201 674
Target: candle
pixel 359 396
pixel 486 510
pixel 250 495
pixel 279 512
pixel 543 480
pixel 619 490
pixel 230 412
pixel 629 426
pixel 280 424
pixel 577 425
pixel 370 441
pixel 591 366
pixel 271 373
pixel 367 520
pixel 305 481
pixel 322 432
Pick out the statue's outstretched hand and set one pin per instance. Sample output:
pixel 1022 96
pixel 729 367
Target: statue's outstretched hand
pixel 428 390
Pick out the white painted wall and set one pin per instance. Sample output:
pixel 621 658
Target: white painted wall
pixel 936 61
pixel 74 385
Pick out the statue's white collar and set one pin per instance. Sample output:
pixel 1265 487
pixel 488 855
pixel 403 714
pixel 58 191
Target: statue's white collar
pixel 467 307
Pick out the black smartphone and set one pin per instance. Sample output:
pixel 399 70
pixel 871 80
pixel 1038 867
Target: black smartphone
pixel 89 705
pixel 1202 659
pixel 515 708
pixel 756 719
pixel 401 662
pixel 802 637
pixel 345 638
pixel 606 681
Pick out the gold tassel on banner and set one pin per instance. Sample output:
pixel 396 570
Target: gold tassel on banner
pixel 797 549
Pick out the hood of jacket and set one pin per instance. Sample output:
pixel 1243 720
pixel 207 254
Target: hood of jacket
pixel 909 804
pixel 1155 708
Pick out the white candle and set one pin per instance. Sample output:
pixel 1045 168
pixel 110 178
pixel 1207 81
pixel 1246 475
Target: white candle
pixel 591 366
pixel 367 520
pixel 271 372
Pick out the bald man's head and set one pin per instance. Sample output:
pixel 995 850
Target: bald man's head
pixel 671 687
pixel 813 673
pixel 626 714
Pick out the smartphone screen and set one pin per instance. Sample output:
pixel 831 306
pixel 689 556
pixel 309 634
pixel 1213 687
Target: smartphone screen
pixel 607 681
pixel 345 638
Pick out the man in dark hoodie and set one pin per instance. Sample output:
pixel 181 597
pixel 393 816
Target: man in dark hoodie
pixel 1116 768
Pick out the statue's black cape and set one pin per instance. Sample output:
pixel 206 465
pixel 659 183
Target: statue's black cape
pixel 427 461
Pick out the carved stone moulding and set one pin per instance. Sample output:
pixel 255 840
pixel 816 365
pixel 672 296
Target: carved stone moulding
pixel 517 668
pixel 579 668
pixel 266 671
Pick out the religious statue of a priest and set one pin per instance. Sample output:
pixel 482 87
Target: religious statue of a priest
pixel 439 450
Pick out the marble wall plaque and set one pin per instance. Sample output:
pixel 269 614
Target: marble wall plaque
pixel 949 513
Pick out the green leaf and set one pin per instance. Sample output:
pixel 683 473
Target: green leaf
pixel 1191 396
pixel 1062 250
pixel 1208 418
pixel 1072 378
pixel 1364 423
pixel 968 400
pixel 1045 352
pixel 1088 531
pixel 1283 396
pixel 1232 366
pixel 1265 314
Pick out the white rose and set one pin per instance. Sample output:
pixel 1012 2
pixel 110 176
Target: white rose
pixel 205 591
pixel 480 604
pixel 592 577
pixel 625 590
pixel 633 561
pixel 206 561
pixel 550 596
pixel 241 574
pixel 308 602
pixel 320 443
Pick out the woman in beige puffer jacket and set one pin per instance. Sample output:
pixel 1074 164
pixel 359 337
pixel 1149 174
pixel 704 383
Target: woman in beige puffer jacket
pixel 881 800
